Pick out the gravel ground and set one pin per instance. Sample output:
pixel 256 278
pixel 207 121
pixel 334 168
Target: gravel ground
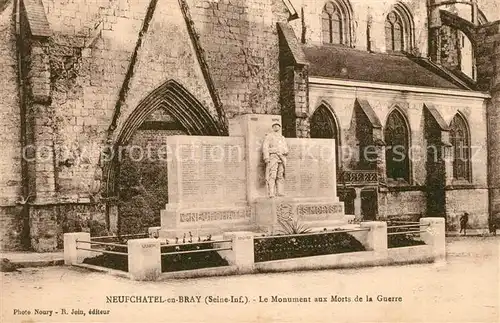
pixel 465 289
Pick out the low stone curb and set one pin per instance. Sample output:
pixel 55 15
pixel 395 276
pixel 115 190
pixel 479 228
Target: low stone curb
pixel 39 263
pixel 28 260
pixel 12 265
pixel 472 233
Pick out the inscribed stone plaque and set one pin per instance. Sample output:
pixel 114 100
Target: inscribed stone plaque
pixel 243 213
pixel 207 170
pixel 319 211
pixel 310 170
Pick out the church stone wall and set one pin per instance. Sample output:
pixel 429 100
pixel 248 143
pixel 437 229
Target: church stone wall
pixel 88 55
pixel 366 13
pixel 458 202
pixel 488 60
pixel 11 220
pixel 407 205
pixel 242 46
pixel 342 100
pixel 93 44
pixel 84 66
pixel 410 200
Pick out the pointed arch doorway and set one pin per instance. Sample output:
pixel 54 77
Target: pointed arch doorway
pixel 137 175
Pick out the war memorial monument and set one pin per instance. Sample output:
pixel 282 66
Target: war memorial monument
pixel 219 184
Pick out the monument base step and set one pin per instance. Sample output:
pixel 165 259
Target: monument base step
pixel 312 226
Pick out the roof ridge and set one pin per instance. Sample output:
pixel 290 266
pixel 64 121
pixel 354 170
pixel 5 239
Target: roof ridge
pixel 354 64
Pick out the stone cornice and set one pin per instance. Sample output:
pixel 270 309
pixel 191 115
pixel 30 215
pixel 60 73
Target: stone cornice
pixel 319 81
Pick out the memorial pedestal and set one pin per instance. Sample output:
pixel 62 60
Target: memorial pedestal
pixel 218 184
pixel 312 212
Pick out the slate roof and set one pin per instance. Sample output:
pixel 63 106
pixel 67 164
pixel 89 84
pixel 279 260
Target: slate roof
pixel 368 110
pixel 437 116
pixel 292 43
pixel 37 19
pixel 351 64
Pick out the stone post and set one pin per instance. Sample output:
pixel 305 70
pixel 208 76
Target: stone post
pixel 242 254
pixel 434 236
pixel 448 166
pixel 72 255
pixel 39 133
pixel 144 259
pixel 377 236
pixel 357 204
pixel 380 147
pixel 434 18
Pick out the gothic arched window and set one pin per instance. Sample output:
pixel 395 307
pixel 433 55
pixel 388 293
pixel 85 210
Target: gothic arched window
pixel 398 29
pixel 459 135
pixel 323 125
pixel 397 149
pixel 336 23
pixel 394 33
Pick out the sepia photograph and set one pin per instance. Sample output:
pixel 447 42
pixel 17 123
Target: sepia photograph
pixel 249 161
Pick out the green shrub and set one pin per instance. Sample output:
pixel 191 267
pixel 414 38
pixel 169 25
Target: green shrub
pixel 118 262
pixel 402 240
pixel 177 262
pixel 97 228
pixel 169 263
pixel 305 246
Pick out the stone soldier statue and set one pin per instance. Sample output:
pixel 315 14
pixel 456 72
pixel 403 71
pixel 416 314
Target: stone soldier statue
pixel 274 150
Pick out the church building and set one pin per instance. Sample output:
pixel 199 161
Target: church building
pixel 90 89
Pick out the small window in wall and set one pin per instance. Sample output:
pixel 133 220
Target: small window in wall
pixel 459 135
pixel 397 149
